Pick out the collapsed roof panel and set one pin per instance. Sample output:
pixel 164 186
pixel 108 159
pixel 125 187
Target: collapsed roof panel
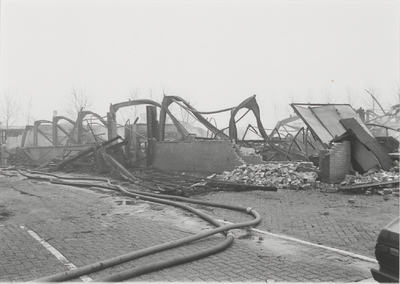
pixel 340 122
pixel 324 120
pixel 313 123
pixel 347 111
pixel 370 142
pixel 329 118
pixel 361 158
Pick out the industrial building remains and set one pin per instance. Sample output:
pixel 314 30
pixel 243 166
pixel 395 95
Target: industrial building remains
pixel 322 144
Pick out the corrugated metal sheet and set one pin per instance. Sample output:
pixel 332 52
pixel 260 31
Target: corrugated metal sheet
pixel 362 159
pixel 329 118
pixel 370 142
pixel 324 120
pixel 346 111
pixel 313 123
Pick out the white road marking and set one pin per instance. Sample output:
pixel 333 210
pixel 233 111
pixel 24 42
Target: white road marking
pixel 56 253
pixel 359 256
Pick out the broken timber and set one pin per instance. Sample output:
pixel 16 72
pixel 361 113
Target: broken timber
pixel 85 152
pixel 238 186
pixel 173 183
pixel 367 185
pixel 117 166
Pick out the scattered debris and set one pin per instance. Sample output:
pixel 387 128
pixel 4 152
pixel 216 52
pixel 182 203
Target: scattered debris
pixel 117 166
pixel 372 179
pixel 19 156
pixel 304 175
pixel 288 149
pixel 295 175
pixel 235 186
pixel 86 152
pixel 175 183
pixel 338 122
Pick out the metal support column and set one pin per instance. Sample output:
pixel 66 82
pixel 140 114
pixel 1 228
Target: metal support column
pixel 54 131
pixel 111 126
pixel 152 133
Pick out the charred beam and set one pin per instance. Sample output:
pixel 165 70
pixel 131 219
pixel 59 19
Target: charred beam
pixel 85 152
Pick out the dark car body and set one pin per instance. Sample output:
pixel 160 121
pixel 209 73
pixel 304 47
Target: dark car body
pixel 387 253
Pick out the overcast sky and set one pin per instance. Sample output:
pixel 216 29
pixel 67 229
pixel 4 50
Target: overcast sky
pixel 214 53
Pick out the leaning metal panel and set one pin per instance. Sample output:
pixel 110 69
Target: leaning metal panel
pixel 329 117
pixel 346 111
pixel 313 123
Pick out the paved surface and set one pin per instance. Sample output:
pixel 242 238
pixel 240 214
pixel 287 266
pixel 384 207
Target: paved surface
pixel 87 226
pixel 322 218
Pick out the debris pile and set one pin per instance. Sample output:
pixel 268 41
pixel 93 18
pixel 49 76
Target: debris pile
pixel 304 175
pixel 295 175
pixel 373 182
pixel 19 156
pixel 371 177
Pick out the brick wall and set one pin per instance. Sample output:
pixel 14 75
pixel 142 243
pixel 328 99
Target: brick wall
pixel 196 156
pixel 335 163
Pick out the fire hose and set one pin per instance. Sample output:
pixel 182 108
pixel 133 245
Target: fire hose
pixel 158 198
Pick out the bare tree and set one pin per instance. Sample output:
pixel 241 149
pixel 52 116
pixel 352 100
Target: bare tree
pixel 292 99
pixel 152 96
pixel 184 115
pixel 9 110
pixel 328 96
pixel 396 92
pixel 371 96
pixel 350 95
pixel 28 112
pixel 77 101
pixel 178 111
pixel 275 106
pixel 310 96
pixel 375 100
pixel 171 107
pixel 135 110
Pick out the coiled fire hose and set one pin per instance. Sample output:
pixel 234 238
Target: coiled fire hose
pixel 158 198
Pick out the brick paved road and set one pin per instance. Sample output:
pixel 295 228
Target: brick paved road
pixel 87 226
pixel 322 218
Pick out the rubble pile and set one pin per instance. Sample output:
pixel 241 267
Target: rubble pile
pixel 303 175
pixel 18 156
pixel 372 177
pixel 295 175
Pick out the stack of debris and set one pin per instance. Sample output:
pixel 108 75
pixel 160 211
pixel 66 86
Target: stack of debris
pixel 372 179
pixel 107 157
pixel 295 175
pixel 19 156
pixel 304 175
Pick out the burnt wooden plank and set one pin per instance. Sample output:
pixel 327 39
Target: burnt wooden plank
pixel 85 152
pixel 117 166
pixel 239 186
pixel 367 185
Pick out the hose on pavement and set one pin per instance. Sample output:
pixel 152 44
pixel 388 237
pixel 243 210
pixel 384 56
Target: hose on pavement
pixel 158 198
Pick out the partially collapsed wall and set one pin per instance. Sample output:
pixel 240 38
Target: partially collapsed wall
pixel 214 156
pixel 335 163
pixel 217 156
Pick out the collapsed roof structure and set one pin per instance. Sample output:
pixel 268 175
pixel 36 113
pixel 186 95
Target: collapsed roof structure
pixel 337 122
pixel 299 138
